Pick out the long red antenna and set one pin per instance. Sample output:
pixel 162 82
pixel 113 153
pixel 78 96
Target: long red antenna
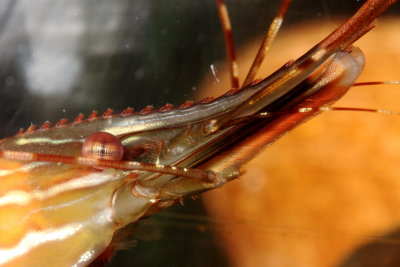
pixel 229 46
pixel 267 42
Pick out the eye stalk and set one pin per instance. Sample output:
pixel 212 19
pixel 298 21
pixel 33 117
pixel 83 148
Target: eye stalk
pixel 102 145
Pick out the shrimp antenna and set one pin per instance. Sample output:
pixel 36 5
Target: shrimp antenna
pixel 376 83
pixel 229 46
pixel 267 42
pixel 265 45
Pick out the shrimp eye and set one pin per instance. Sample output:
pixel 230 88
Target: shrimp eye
pixel 102 145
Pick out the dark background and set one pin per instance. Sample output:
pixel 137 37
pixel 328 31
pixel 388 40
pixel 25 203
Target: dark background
pixel 62 57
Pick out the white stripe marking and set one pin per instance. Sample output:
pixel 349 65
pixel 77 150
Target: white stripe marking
pixel 25 168
pixel 26 141
pixel 17 197
pixel 36 238
pixel 21 197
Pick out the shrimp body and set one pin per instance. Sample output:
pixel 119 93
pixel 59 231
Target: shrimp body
pixel 56 204
pixel 75 209
pixel 57 212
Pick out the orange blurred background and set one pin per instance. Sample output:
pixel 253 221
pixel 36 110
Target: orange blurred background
pixel 327 193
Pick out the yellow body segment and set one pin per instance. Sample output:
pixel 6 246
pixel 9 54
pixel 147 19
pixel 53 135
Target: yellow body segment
pixel 63 213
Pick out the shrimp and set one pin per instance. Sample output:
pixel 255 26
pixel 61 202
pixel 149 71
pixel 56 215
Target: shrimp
pixel 154 147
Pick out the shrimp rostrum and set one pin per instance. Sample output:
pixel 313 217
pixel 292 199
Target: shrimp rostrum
pixel 66 189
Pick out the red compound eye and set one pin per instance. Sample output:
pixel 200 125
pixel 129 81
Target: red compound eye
pixel 103 145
